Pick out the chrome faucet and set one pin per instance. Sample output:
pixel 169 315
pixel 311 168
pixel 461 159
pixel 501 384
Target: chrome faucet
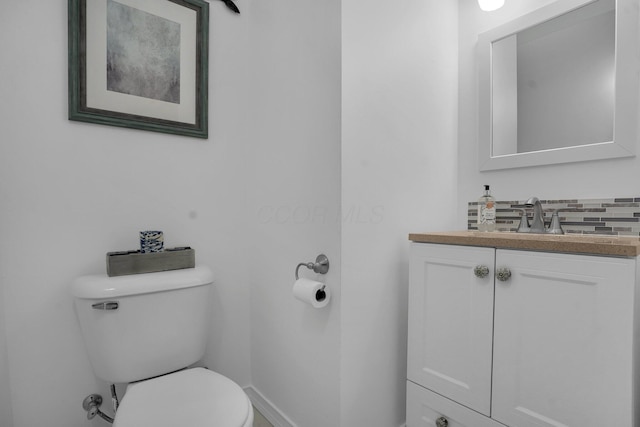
pixel 537 224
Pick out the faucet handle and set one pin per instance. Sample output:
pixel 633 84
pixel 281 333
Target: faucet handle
pixel 524 221
pixel 555 227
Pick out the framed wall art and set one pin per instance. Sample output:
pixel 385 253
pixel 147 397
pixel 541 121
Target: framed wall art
pixel 140 64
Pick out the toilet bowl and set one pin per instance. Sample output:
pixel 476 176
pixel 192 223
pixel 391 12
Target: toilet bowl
pixel 193 397
pixel 143 330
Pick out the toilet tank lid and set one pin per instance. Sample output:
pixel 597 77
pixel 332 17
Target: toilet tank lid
pixel 100 286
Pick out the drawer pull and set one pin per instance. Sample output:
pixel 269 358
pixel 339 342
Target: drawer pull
pixel 503 274
pixel 442 422
pixel 481 271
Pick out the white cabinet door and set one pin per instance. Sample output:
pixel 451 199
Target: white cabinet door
pixel 450 322
pixel 425 408
pixel 563 340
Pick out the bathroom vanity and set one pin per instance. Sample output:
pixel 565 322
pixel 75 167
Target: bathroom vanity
pixel 520 330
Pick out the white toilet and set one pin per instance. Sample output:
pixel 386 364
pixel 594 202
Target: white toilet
pixel 143 330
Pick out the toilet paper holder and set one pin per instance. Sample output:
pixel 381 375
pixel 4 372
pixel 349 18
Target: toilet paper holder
pixel 320 266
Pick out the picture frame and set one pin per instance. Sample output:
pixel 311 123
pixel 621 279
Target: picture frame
pixel 140 64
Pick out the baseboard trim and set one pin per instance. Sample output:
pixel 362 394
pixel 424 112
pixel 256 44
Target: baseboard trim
pixel 268 409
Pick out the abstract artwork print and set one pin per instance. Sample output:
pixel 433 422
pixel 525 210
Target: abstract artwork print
pixel 143 54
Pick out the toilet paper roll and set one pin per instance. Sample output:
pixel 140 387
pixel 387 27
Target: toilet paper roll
pixel 311 292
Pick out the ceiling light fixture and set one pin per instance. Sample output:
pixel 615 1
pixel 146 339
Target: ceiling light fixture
pixel 489 5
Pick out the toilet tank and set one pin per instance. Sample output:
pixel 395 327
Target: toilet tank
pixel 143 325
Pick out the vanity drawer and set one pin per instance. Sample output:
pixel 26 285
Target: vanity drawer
pixel 425 407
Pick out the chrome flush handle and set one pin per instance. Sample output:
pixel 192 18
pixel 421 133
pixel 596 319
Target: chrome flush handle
pixel 442 422
pixel 106 305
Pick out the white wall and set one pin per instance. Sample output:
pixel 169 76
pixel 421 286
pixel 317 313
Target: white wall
pixel 6 414
pixel 399 125
pixel 575 180
pixel 70 192
pixel 259 196
pixel 294 203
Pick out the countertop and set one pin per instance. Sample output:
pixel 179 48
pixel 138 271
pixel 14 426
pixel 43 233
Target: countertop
pixel 624 246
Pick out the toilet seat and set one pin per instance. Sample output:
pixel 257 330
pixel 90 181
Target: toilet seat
pixel 194 397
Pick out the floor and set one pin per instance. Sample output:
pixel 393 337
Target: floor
pixel 259 420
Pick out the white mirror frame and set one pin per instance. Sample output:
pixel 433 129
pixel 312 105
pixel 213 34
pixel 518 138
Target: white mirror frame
pixel 627 69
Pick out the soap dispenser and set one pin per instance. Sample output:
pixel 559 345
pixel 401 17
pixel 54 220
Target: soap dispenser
pixel 486 211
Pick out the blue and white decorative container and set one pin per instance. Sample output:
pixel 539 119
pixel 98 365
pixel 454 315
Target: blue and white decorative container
pixel 151 241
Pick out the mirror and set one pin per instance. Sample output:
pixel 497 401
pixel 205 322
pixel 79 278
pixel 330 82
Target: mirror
pixel 559 85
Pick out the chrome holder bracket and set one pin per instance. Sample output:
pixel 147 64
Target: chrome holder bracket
pixel 321 266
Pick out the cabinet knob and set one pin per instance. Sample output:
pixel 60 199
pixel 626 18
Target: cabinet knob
pixel 481 271
pixel 503 274
pixel 442 422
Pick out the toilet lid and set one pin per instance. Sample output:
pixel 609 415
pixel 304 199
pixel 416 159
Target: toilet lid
pixel 192 398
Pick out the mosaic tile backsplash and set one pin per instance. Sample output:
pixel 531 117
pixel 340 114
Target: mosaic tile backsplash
pixel 619 216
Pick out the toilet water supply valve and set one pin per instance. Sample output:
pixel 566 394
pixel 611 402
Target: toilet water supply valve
pixel 92 404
